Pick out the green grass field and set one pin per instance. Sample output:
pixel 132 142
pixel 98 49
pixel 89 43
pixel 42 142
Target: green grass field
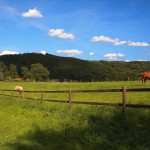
pixel 32 125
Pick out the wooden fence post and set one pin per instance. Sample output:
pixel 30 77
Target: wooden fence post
pixel 23 94
pixel 41 96
pixel 11 94
pixel 124 99
pixel 70 99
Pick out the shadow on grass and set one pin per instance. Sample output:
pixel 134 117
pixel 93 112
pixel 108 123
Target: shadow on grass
pixel 118 132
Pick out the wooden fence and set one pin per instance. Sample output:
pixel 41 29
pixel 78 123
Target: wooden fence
pixel 70 101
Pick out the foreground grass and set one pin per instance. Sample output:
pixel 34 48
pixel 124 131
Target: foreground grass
pixel 31 125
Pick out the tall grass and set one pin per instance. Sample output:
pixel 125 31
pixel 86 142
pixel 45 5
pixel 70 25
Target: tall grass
pixel 32 125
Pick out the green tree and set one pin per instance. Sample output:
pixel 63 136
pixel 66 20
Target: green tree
pixel 13 71
pixel 3 70
pixel 39 72
pixel 1 76
pixel 26 73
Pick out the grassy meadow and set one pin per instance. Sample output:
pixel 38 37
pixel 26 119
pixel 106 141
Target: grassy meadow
pixel 32 125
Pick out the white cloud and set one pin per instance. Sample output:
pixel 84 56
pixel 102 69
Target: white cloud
pixel 103 39
pixel 120 43
pixel 111 56
pixel 114 56
pixel 72 52
pixel 141 60
pixel 91 53
pixel 32 13
pixel 43 52
pixel 59 33
pixel 120 55
pixel 117 41
pixel 138 44
pixel 6 52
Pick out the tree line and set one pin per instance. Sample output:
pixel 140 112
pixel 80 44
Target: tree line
pixel 36 72
pixel 63 68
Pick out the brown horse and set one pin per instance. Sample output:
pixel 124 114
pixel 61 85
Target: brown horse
pixel 144 76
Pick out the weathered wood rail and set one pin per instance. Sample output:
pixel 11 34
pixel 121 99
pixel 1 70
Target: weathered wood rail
pixel 70 101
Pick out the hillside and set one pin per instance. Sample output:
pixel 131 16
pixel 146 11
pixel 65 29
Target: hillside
pixel 76 69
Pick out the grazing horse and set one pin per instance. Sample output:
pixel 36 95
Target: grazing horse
pixel 144 76
pixel 19 89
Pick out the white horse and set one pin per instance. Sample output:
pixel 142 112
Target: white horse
pixel 19 89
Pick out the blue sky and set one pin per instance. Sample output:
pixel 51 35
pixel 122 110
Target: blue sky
pixel 85 29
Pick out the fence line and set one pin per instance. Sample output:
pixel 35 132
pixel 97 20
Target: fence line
pixel 66 91
pixel 78 91
pixel 70 101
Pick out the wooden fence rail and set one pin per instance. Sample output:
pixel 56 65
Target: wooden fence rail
pixel 70 101
pixel 78 91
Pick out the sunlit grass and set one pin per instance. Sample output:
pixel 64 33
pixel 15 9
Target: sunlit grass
pixel 32 125
pixel 132 97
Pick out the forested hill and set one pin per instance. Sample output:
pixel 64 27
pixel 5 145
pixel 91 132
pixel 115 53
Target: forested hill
pixel 76 69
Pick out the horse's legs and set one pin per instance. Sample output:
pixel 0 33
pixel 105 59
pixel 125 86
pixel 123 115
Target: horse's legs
pixel 144 81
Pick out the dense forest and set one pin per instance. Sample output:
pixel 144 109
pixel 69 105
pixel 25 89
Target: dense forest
pixel 74 69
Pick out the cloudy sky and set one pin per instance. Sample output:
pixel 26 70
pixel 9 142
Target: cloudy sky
pixel 85 29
